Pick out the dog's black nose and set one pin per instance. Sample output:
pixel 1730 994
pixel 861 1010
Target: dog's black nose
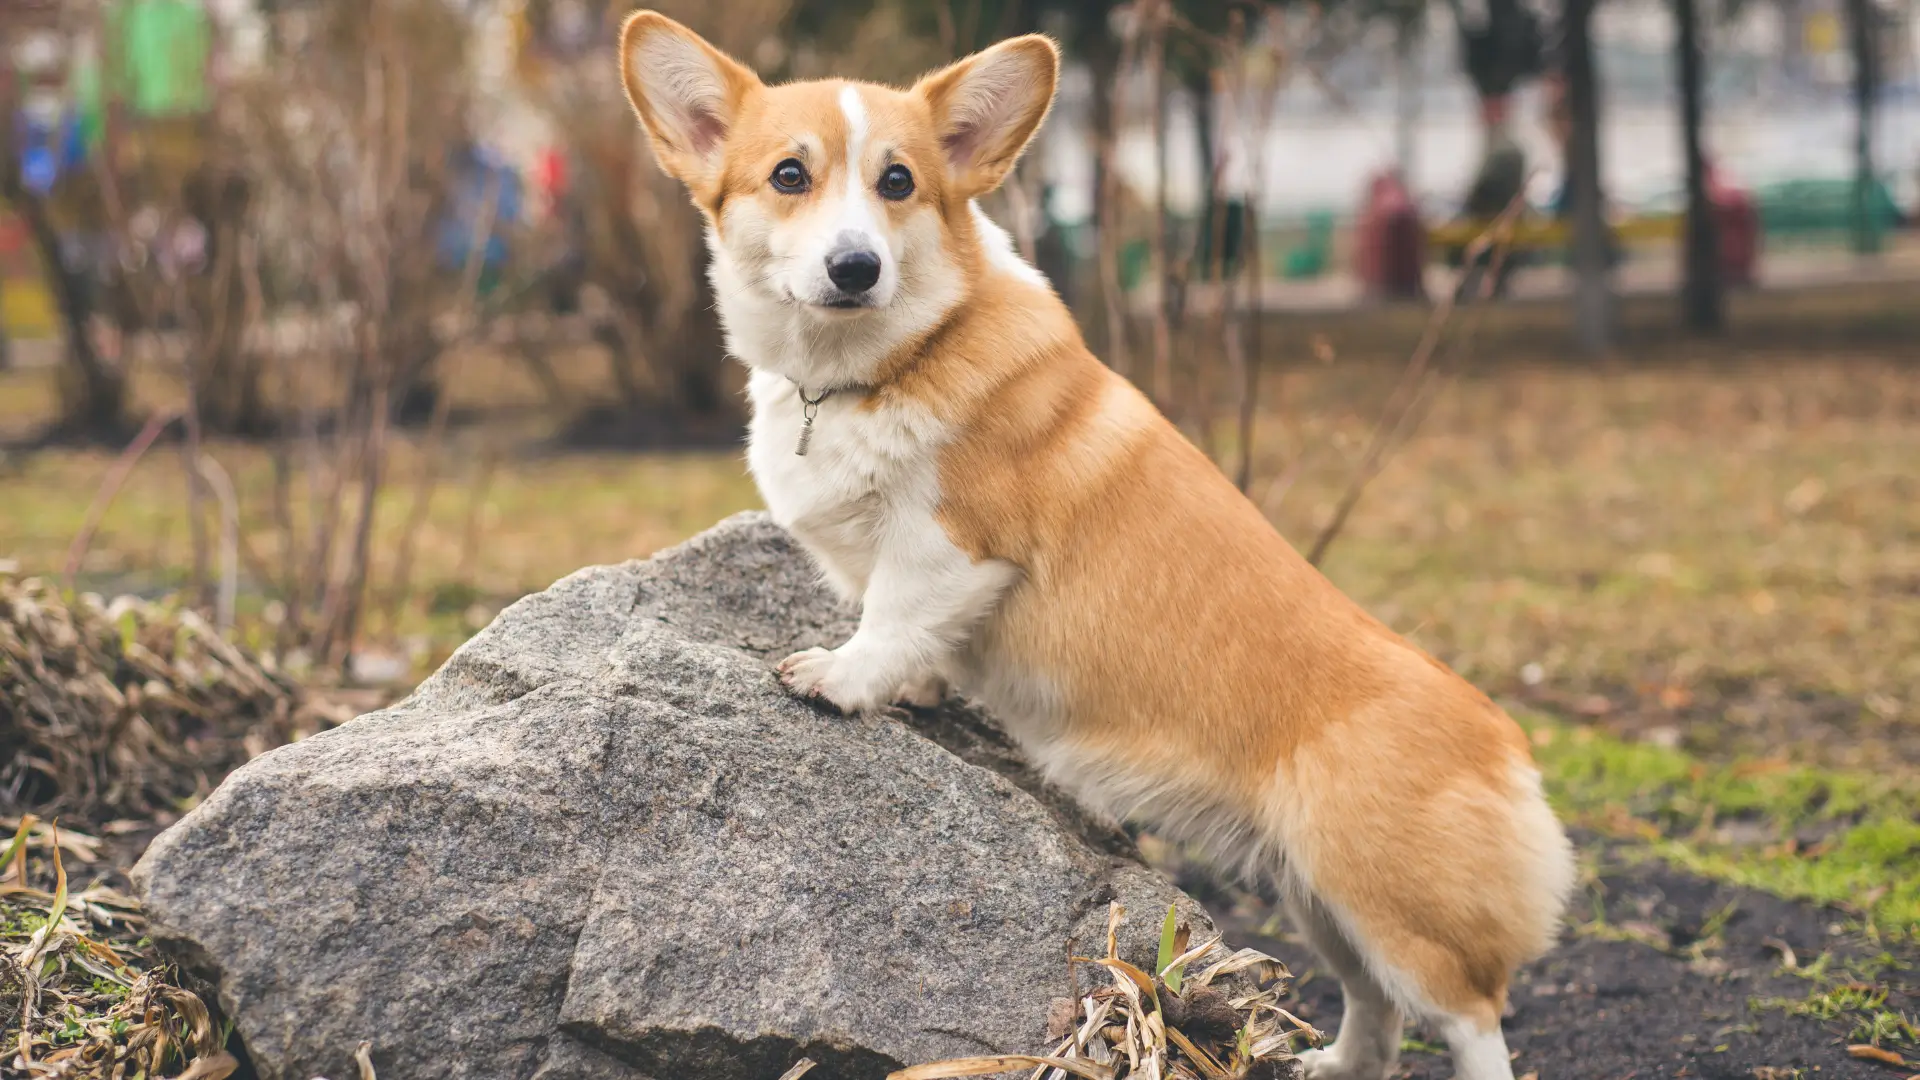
pixel 853 270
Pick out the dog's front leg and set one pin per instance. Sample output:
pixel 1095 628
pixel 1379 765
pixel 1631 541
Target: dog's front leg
pixel 924 597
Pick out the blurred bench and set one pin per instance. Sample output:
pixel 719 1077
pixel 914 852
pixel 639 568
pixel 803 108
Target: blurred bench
pixel 26 310
pixel 1544 234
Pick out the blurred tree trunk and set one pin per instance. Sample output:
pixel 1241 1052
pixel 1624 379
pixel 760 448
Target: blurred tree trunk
pixel 1103 59
pixel 1866 72
pixel 1406 91
pixel 1500 50
pixel 227 383
pixel 665 333
pixel 1703 294
pixel 1793 47
pixel 1155 15
pixel 1593 294
pixel 1206 241
pixel 696 353
pixel 93 393
pixel 1501 46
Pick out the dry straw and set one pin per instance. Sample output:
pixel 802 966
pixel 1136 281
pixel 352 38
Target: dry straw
pixel 1163 1026
pixel 129 707
pixel 82 997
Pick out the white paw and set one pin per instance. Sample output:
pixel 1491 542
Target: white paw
pixel 824 675
pixel 923 693
pixel 1328 1065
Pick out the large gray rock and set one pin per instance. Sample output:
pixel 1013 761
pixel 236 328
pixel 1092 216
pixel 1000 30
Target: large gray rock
pixel 602 843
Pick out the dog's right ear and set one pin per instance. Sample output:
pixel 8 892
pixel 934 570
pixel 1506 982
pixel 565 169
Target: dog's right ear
pixel 687 93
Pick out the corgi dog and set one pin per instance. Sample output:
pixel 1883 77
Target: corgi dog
pixel 1018 522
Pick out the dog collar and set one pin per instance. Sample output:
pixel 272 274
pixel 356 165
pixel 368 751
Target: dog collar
pixel 810 408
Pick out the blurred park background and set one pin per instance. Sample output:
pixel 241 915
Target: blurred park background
pixel 1578 342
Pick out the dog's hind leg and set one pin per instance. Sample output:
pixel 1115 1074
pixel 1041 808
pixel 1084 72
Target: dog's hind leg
pixel 1479 1052
pixel 1368 1046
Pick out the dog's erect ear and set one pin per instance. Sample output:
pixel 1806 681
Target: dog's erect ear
pixel 687 93
pixel 988 105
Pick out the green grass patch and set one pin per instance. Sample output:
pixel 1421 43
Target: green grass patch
pixel 1852 1000
pixel 1826 836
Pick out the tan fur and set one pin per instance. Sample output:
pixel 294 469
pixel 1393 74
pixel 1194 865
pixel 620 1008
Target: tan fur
pixel 1197 671
pixel 1197 647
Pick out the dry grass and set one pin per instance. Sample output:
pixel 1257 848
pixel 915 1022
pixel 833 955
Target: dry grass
pixel 1222 1022
pixel 1725 556
pixel 1712 546
pixel 84 994
pixel 500 523
pixel 128 709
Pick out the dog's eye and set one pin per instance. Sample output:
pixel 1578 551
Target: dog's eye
pixel 790 176
pixel 896 182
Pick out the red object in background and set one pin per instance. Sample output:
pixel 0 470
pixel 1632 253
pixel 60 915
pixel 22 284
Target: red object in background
pixel 1390 242
pixel 551 174
pixel 13 234
pixel 1739 223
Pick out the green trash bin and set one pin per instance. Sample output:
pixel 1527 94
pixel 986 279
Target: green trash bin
pixel 1135 256
pixel 1802 210
pixel 1310 258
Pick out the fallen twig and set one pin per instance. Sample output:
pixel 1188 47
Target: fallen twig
pixel 800 1069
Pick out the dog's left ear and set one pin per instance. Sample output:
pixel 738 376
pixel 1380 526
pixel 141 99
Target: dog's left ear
pixel 987 106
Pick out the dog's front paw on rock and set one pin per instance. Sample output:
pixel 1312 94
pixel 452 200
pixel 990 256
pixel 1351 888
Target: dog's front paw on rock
pixel 823 675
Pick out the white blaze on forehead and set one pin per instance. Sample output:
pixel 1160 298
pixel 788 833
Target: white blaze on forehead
pixel 856 212
pixel 856 112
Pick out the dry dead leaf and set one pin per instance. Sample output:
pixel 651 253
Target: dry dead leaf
pixel 1865 1052
pixel 218 1067
pixel 1788 959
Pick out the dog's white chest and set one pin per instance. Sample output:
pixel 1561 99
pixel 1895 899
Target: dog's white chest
pixel 864 468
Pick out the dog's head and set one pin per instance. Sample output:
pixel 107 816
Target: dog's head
pixel 839 202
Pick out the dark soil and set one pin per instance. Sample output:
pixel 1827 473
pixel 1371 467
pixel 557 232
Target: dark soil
pixel 1599 1008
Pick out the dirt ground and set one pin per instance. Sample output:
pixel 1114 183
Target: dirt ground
pixel 1685 977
